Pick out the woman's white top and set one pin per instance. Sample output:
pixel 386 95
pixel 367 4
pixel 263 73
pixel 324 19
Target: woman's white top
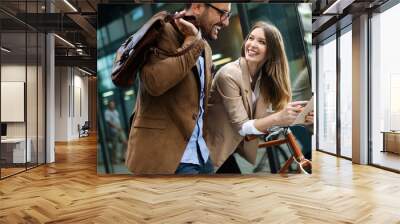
pixel 248 127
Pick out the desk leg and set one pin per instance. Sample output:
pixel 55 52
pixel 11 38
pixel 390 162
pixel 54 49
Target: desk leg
pixel 384 142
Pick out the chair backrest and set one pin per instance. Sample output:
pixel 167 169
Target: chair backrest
pixel 86 125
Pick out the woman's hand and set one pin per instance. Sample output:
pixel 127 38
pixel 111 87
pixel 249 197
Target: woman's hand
pixel 287 116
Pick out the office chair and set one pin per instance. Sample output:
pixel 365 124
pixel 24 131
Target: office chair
pixel 282 135
pixel 84 130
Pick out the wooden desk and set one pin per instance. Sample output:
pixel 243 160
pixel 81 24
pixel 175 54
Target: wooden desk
pixel 13 150
pixel 391 141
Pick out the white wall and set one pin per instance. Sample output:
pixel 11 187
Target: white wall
pixel 33 126
pixel 12 73
pixel 61 103
pixel 80 110
pixel 71 94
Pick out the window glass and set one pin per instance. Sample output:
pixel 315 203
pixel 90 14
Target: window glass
pixel 327 96
pixel 385 89
pixel 346 94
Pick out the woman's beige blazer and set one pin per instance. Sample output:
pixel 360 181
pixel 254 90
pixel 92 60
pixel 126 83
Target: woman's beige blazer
pixel 231 105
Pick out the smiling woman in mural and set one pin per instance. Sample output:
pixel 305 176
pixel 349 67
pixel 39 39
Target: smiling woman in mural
pixel 249 96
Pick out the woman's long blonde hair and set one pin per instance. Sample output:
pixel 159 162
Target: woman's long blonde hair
pixel 275 82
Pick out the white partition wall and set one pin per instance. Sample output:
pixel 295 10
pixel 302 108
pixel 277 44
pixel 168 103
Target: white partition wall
pixel 71 102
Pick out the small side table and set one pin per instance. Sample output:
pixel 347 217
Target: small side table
pixel 391 141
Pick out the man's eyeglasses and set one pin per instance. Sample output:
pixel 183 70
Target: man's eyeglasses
pixel 222 13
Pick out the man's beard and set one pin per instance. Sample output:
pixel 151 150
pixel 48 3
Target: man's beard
pixel 203 24
pixel 207 34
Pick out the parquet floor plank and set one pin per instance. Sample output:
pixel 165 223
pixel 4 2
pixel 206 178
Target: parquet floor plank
pixel 70 191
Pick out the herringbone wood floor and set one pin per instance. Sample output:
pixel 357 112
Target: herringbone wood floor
pixel 70 191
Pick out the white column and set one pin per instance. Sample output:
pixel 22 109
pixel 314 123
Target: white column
pixel 50 101
pixel 50 92
pixel 360 90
